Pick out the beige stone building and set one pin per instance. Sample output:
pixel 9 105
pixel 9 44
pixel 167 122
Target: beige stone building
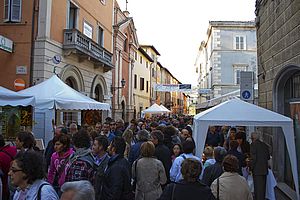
pixel 278 37
pixel 141 82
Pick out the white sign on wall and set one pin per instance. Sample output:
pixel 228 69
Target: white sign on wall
pixel 21 70
pixel 6 44
pixel 87 30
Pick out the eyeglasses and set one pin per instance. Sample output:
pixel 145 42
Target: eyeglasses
pixel 15 170
pixel 112 124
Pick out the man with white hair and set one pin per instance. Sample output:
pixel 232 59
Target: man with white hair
pixel 77 190
pixel 259 152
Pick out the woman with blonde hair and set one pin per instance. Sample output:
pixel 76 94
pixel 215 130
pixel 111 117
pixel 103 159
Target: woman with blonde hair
pixel 149 174
pixel 128 137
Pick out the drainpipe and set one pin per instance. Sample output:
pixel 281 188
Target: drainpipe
pixel 32 43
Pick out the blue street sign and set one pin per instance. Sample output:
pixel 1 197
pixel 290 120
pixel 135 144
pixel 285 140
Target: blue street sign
pixel 246 94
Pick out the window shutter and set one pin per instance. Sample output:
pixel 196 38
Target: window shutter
pixel 6 10
pixel 16 7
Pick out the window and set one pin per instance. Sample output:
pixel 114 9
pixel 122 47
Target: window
pixel 72 16
pixel 69 116
pixel 240 42
pixel 135 55
pixel 153 72
pixel 147 86
pixel 100 36
pixel 141 59
pixel 147 64
pixel 125 45
pixel 12 10
pixel 142 86
pixel 237 75
pixel 135 81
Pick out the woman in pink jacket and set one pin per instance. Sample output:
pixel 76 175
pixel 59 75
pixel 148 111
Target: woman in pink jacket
pixel 59 159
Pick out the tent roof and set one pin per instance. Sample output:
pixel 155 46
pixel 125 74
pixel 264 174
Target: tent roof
pixel 11 98
pixel 54 93
pixel 164 108
pixel 238 111
pixel 154 109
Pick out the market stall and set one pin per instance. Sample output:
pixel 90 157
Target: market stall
pixel 236 112
pixel 54 95
pixel 15 112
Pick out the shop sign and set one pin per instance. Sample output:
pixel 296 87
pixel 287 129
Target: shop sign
pixel 6 44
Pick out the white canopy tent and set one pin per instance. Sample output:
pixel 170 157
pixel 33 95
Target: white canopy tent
pixel 164 108
pixel 55 94
pixel 11 98
pixel 154 109
pixel 237 112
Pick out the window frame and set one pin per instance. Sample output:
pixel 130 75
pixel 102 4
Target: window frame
pixel 238 68
pixel 135 82
pixel 142 83
pixel 100 41
pixel 147 86
pixel 235 43
pixel 10 5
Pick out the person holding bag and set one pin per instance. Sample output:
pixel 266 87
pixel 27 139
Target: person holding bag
pixel 149 174
pixel 230 185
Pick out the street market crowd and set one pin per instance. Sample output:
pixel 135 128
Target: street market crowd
pixel 147 159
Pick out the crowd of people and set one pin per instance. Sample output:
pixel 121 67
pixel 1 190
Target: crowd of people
pixel 147 159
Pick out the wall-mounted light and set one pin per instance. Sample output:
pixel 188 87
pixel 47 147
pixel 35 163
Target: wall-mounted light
pixel 123 82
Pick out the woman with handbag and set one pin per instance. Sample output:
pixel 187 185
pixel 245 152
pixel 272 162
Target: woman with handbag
pixel 149 174
pixel 230 185
pixel 57 169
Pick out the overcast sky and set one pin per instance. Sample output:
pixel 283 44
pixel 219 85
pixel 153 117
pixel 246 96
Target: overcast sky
pixel 176 28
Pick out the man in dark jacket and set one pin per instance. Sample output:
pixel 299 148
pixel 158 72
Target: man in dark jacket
pixel 260 155
pixel 214 171
pixel 116 183
pixel 162 152
pixel 134 153
pixel 101 159
pixel 190 187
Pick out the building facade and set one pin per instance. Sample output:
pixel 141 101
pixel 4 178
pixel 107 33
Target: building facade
pixel 230 47
pixel 125 51
pixel 278 38
pixel 70 38
pixel 155 74
pixel 141 82
pixel 16 30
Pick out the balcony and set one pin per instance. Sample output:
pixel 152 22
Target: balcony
pixel 79 44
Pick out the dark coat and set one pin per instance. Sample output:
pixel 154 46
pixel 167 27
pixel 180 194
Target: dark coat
pixel 116 184
pixel 240 157
pixel 211 173
pixel 163 153
pixel 187 191
pixel 259 152
pixel 48 153
pixel 100 177
pixel 134 152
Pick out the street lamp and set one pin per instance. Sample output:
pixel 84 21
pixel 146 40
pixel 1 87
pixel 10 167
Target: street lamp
pixel 123 82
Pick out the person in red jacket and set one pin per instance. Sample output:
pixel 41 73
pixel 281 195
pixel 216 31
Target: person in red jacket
pixel 7 154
